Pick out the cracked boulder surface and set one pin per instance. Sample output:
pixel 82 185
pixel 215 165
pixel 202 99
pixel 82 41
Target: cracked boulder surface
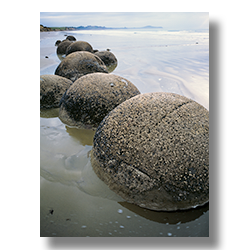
pixel 92 97
pixel 153 150
pixel 78 64
pixel 52 88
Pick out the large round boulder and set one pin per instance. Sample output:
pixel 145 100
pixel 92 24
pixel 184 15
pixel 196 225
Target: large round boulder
pixel 153 150
pixel 108 58
pixel 52 88
pixel 78 64
pixel 92 97
pixel 79 46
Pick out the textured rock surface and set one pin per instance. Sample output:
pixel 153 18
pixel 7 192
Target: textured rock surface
pixel 52 88
pixel 71 38
pixel 153 150
pixel 62 46
pixel 57 42
pixel 79 46
pixel 93 96
pixel 78 64
pixel 108 58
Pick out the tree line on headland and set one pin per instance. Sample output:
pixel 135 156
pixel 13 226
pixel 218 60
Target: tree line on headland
pixel 44 28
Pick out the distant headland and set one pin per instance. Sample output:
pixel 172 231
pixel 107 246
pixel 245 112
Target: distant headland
pixel 90 27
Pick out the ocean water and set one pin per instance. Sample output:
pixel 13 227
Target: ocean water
pixel 74 202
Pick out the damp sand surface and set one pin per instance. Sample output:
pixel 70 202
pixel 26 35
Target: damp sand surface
pixel 74 202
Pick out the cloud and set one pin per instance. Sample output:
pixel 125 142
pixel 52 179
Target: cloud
pixel 168 20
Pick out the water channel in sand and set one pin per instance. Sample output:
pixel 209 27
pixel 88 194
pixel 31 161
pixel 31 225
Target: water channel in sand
pixel 73 201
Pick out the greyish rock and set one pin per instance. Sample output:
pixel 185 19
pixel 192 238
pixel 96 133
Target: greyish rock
pixel 62 46
pixel 79 46
pixel 153 150
pixel 71 38
pixel 108 58
pixel 92 97
pixel 78 64
pixel 57 42
pixel 52 88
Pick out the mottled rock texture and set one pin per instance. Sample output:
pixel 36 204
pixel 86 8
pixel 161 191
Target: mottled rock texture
pixel 78 64
pixel 52 88
pixel 108 58
pixel 71 38
pixel 57 42
pixel 153 150
pixel 62 46
pixel 79 46
pixel 92 97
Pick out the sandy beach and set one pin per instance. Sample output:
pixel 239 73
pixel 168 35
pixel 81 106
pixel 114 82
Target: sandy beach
pixel 74 202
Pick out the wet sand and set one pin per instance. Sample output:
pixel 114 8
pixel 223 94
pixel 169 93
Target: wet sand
pixel 169 62
pixel 73 201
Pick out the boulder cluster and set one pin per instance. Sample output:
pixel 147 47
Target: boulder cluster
pixel 82 85
pixel 152 149
pixel 69 45
pixel 92 97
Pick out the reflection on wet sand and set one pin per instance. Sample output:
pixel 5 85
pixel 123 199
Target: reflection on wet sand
pixel 49 113
pixel 76 170
pixel 112 67
pixel 61 56
pixel 182 216
pixel 84 136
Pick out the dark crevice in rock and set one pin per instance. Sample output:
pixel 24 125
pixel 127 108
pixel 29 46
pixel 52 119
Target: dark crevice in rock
pixel 178 107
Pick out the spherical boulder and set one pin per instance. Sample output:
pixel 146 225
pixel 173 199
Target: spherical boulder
pixel 78 46
pixel 62 46
pixel 92 97
pixel 57 42
pixel 153 150
pixel 52 88
pixel 108 58
pixel 71 38
pixel 78 64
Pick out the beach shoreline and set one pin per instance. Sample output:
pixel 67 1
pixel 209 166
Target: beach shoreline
pixel 146 66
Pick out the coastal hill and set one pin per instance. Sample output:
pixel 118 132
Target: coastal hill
pixel 90 27
pixel 43 28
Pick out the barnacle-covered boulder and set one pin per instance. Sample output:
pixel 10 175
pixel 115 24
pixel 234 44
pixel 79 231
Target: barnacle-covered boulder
pixel 92 97
pixel 153 150
pixel 78 64
pixel 52 88
pixel 78 46
pixel 62 46
pixel 108 58
pixel 71 38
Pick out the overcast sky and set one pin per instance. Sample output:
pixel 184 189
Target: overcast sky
pixel 167 20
